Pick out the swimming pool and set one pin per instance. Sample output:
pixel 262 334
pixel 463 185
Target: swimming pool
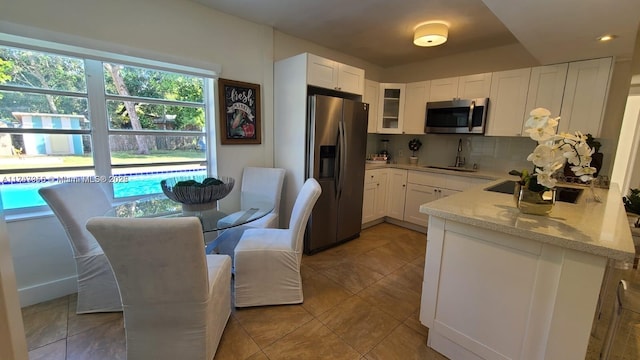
pixel 16 195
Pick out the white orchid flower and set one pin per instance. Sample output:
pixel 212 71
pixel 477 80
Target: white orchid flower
pixel 539 118
pixel 541 134
pixel 584 172
pixel 544 177
pixel 554 150
pixel 544 155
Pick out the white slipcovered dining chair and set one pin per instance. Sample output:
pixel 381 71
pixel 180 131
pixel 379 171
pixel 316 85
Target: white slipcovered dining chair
pixel 176 299
pixel 267 261
pixel 73 204
pixel 259 184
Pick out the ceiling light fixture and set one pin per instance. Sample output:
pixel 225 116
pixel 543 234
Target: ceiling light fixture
pixel 431 34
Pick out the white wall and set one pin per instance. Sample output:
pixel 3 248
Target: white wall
pixel 176 31
pixel 625 169
pixel 475 62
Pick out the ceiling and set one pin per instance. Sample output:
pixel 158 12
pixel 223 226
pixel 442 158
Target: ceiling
pixel 381 31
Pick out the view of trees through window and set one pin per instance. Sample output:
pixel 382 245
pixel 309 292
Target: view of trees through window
pixel 56 111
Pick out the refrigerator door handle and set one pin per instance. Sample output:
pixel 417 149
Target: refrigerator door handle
pixel 342 156
pixel 336 165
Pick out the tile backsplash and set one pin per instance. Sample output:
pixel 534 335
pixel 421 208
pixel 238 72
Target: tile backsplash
pixel 491 153
pixel 488 153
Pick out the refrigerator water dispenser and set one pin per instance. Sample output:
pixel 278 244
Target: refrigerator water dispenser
pixel 327 161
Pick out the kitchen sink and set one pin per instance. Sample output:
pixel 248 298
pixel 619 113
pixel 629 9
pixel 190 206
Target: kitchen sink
pixel 564 194
pixel 452 168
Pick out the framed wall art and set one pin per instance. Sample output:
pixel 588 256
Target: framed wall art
pixel 239 104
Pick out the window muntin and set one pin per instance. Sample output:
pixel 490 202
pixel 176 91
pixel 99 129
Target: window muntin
pixel 170 106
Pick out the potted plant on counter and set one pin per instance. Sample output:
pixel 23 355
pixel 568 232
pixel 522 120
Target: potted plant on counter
pixel 596 157
pixel 553 151
pixel 414 146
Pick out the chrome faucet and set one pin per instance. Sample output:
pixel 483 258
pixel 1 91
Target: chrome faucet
pixel 459 160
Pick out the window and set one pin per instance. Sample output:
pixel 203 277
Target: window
pixel 65 118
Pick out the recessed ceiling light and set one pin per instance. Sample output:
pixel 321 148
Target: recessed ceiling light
pixel 604 38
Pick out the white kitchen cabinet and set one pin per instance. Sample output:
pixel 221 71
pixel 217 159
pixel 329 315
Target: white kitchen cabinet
pixel 443 89
pixel 371 94
pixel 423 187
pixel 546 88
pixel 417 195
pixel 415 107
pixel 374 201
pixel 585 96
pixel 463 87
pixel 474 86
pixel 396 193
pixel 331 74
pixel 368 201
pixel 531 299
pixel 391 108
pixel 420 194
pixel 507 102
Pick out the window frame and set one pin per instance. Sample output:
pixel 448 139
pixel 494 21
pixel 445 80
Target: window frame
pixel 97 98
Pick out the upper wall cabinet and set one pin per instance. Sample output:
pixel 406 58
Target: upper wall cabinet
pixel 546 89
pixel 585 95
pixel 507 102
pixel 391 108
pixel 331 74
pixel 444 89
pixel 474 86
pixel 371 95
pixel 415 107
pixel 464 87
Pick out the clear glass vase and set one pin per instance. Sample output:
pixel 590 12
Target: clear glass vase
pixel 532 202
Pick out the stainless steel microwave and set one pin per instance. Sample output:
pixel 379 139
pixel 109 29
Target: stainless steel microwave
pixel 457 116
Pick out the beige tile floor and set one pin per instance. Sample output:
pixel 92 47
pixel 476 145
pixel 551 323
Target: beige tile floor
pixel 362 300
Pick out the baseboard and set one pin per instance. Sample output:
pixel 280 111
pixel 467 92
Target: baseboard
pixel 372 223
pixel 48 291
pixel 408 225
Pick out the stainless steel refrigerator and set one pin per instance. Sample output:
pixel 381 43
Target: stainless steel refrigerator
pixel 336 152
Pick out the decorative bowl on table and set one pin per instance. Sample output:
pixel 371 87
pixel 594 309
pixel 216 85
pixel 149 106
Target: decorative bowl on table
pixel 197 193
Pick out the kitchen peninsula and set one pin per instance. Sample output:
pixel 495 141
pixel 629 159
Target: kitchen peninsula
pixel 499 284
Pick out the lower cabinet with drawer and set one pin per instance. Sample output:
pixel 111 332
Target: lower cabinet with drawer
pixel 423 187
pixel 398 193
pixel 374 199
pixel 417 195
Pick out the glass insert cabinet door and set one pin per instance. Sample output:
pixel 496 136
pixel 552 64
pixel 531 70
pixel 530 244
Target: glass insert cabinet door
pixel 391 107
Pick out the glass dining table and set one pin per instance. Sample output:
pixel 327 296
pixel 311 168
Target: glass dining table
pixel 213 221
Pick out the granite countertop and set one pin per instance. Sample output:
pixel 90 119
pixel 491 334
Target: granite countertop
pixel 599 228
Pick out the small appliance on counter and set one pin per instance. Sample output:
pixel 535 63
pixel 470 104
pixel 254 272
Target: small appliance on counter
pixel 385 149
pixel 377 159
